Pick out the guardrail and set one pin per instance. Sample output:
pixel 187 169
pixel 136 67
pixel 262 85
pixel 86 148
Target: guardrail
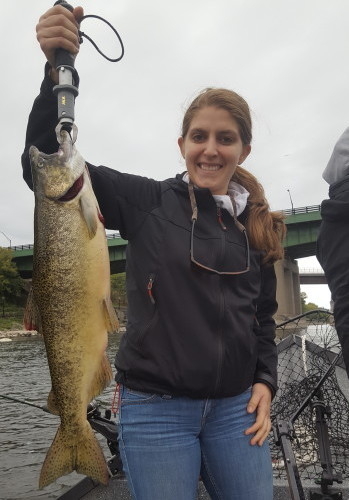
pixel 301 210
pixel 29 246
pixel 289 211
pixel 311 271
pixel 21 247
pixel 111 236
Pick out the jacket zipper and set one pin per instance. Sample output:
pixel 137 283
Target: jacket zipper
pixel 220 339
pixel 220 218
pixel 221 311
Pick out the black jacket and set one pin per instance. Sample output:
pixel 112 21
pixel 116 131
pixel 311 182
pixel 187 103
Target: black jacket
pixel 333 255
pixel 190 331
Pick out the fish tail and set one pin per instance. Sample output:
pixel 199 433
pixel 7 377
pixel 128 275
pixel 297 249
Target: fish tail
pixel 85 456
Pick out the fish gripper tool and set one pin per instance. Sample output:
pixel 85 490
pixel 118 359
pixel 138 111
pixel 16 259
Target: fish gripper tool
pixel 65 91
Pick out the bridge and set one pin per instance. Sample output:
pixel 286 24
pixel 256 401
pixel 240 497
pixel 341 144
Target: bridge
pixel 23 256
pixel 302 229
pixel 315 276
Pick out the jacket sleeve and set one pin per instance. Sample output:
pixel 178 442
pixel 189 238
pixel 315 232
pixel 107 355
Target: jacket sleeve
pixel 125 200
pixel 41 125
pixel 266 369
pixel 338 164
pixel 332 251
pixel 332 248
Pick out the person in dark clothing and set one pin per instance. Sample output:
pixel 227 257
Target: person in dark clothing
pixel 333 239
pixel 197 366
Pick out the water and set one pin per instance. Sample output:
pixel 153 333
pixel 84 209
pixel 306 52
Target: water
pixel 25 432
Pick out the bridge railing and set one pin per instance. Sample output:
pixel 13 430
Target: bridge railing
pixel 29 246
pixel 21 247
pixel 290 211
pixel 302 210
pixel 311 271
pixel 111 236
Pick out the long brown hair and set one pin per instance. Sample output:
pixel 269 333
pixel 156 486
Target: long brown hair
pixel 265 229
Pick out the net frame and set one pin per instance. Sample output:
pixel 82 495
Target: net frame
pixel 307 345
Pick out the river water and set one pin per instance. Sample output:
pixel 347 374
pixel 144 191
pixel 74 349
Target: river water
pixel 25 432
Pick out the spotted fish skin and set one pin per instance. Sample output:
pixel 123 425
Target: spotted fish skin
pixel 70 305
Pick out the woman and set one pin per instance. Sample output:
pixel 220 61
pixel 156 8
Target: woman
pixel 197 364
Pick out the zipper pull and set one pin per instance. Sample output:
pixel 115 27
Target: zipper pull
pixel 150 288
pixel 220 219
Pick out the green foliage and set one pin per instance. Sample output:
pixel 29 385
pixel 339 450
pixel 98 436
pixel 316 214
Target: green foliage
pixel 118 289
pixel 310 306
pixel 10 281
pixel 307 306
pixel 12 318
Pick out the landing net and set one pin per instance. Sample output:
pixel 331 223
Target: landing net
pixel 306 347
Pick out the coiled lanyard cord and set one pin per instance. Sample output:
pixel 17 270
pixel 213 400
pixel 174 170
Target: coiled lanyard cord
pixel 83 35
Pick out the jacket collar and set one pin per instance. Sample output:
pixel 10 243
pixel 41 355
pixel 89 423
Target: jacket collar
pixel 235 191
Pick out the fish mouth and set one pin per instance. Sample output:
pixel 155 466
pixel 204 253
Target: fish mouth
pixel 74 190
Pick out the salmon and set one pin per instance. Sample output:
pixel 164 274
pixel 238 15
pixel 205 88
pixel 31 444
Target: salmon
pixel 69 304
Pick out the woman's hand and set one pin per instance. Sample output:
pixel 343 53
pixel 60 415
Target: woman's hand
pixel 260 403
pixel 59 28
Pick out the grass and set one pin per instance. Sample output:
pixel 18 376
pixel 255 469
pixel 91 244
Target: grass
pixel 11 317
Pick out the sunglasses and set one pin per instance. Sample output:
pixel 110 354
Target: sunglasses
pixel 207 259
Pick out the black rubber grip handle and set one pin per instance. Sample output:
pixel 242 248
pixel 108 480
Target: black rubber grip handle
pixel 62 56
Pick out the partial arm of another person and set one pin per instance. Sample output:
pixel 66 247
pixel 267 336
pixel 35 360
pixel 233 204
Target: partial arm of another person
pixel 332 250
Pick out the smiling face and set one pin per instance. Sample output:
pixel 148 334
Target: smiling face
pixel 212 149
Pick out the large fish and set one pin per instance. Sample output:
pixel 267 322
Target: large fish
pixel 70 305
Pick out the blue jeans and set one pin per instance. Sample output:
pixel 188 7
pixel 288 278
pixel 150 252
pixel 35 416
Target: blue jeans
pixel 167 442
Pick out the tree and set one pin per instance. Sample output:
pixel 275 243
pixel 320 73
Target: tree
pixel 10 281
pixel 310 306
pixel 307 306
pixel 118 289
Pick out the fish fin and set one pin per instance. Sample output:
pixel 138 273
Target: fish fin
pixel 52 404
pixel 102 378
pixel 90 214
pixel 31 318
pixel 112 322
pixel 84 455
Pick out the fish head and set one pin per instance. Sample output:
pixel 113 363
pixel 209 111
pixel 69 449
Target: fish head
pixel 57 176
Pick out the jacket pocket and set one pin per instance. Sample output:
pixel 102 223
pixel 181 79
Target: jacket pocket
pixel 150 287
pixel 152 318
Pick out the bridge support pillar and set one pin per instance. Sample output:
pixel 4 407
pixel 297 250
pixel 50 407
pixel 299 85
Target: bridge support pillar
pixel 288 292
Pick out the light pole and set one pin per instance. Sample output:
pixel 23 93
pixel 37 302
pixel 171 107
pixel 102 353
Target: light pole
pixel 289 193
pixel 6 237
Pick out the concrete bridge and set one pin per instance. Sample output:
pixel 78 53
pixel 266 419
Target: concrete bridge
pixel 302 228
pixel 23 256
pixel 312 277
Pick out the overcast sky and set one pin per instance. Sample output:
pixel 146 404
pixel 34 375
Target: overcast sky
pixel 289 59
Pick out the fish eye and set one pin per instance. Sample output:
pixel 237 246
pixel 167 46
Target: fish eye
pixel 41 163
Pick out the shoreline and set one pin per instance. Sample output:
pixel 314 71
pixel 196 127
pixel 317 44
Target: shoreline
pixel 9 335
